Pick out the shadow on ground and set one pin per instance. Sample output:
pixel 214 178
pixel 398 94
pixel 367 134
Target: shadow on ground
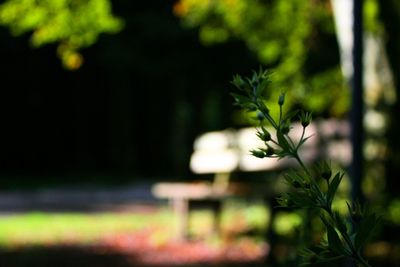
pixel 75 256
pixel 63 256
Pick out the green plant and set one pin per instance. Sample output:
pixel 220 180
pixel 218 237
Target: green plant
pixel 345 238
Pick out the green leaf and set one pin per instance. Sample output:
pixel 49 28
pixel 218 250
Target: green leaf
pixel 349 207
pixel 238 82
pixel 333 186
pixel 365 229
pixel 340 223
pixel 301 200
pixel 304 140
pixel 281 154
pixel 283 143
pixel 249 106
pixel 335 244
pixel 353 237
pixel 254 78
pixel 262 86
pixel 291 114
pixel 240 99
pixel 333 240
pixel 262 107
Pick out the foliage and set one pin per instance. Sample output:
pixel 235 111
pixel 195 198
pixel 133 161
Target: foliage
pixel 73 24
pixel 295 38
pixel 344 239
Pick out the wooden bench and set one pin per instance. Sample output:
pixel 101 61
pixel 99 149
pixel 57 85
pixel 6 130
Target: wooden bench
pixel 221 153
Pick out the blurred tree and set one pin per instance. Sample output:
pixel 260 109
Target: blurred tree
pixel 73 24
pixel 295 38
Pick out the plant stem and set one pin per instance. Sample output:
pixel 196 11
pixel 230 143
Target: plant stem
pixel 301 138
pixel 266 115
pixel 296 156
pixel 363 262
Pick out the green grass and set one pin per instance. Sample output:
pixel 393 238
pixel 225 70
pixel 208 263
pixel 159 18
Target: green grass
pixel 46 228
pixel 39 228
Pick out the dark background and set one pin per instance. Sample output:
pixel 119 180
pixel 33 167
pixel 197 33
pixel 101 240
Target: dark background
pixel 132 110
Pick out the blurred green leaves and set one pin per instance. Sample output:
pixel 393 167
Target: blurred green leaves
pixel 287 36
pixel 72 24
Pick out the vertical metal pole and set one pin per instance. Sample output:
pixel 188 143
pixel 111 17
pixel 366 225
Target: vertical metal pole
pixel 357 107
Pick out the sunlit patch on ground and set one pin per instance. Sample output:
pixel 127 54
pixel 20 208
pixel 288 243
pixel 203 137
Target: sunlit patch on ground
pixel 148 252
pixel 130 239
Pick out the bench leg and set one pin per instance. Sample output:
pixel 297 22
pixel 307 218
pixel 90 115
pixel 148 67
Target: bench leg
pixel 216 209
pixel 181 210
pixel 215 206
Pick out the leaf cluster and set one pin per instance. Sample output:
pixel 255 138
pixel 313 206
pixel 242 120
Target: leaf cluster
pixel 72 25
pixel 249 97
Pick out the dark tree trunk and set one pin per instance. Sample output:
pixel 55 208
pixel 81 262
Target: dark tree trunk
pixel 390 16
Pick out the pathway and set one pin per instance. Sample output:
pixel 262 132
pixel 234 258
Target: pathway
pixel 79 199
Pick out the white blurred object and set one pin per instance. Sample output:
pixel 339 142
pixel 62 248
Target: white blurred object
pixel 214 152
pixel 227 151
pixel 343 17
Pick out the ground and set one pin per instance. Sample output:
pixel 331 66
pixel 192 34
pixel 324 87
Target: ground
pixel 119 227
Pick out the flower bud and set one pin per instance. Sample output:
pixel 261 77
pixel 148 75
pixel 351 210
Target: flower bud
pixel 260 116
pixel 285 202
pixel 238 81
pixel 264 135
pixel 285 127
pixel 258 153
pixel 270 151
pixel 325 171
pixel 281 99
pixel 305 119
pixel 296 184
pixel 356 217
pixel 326 174
pixel 251 107
pixel 305 123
